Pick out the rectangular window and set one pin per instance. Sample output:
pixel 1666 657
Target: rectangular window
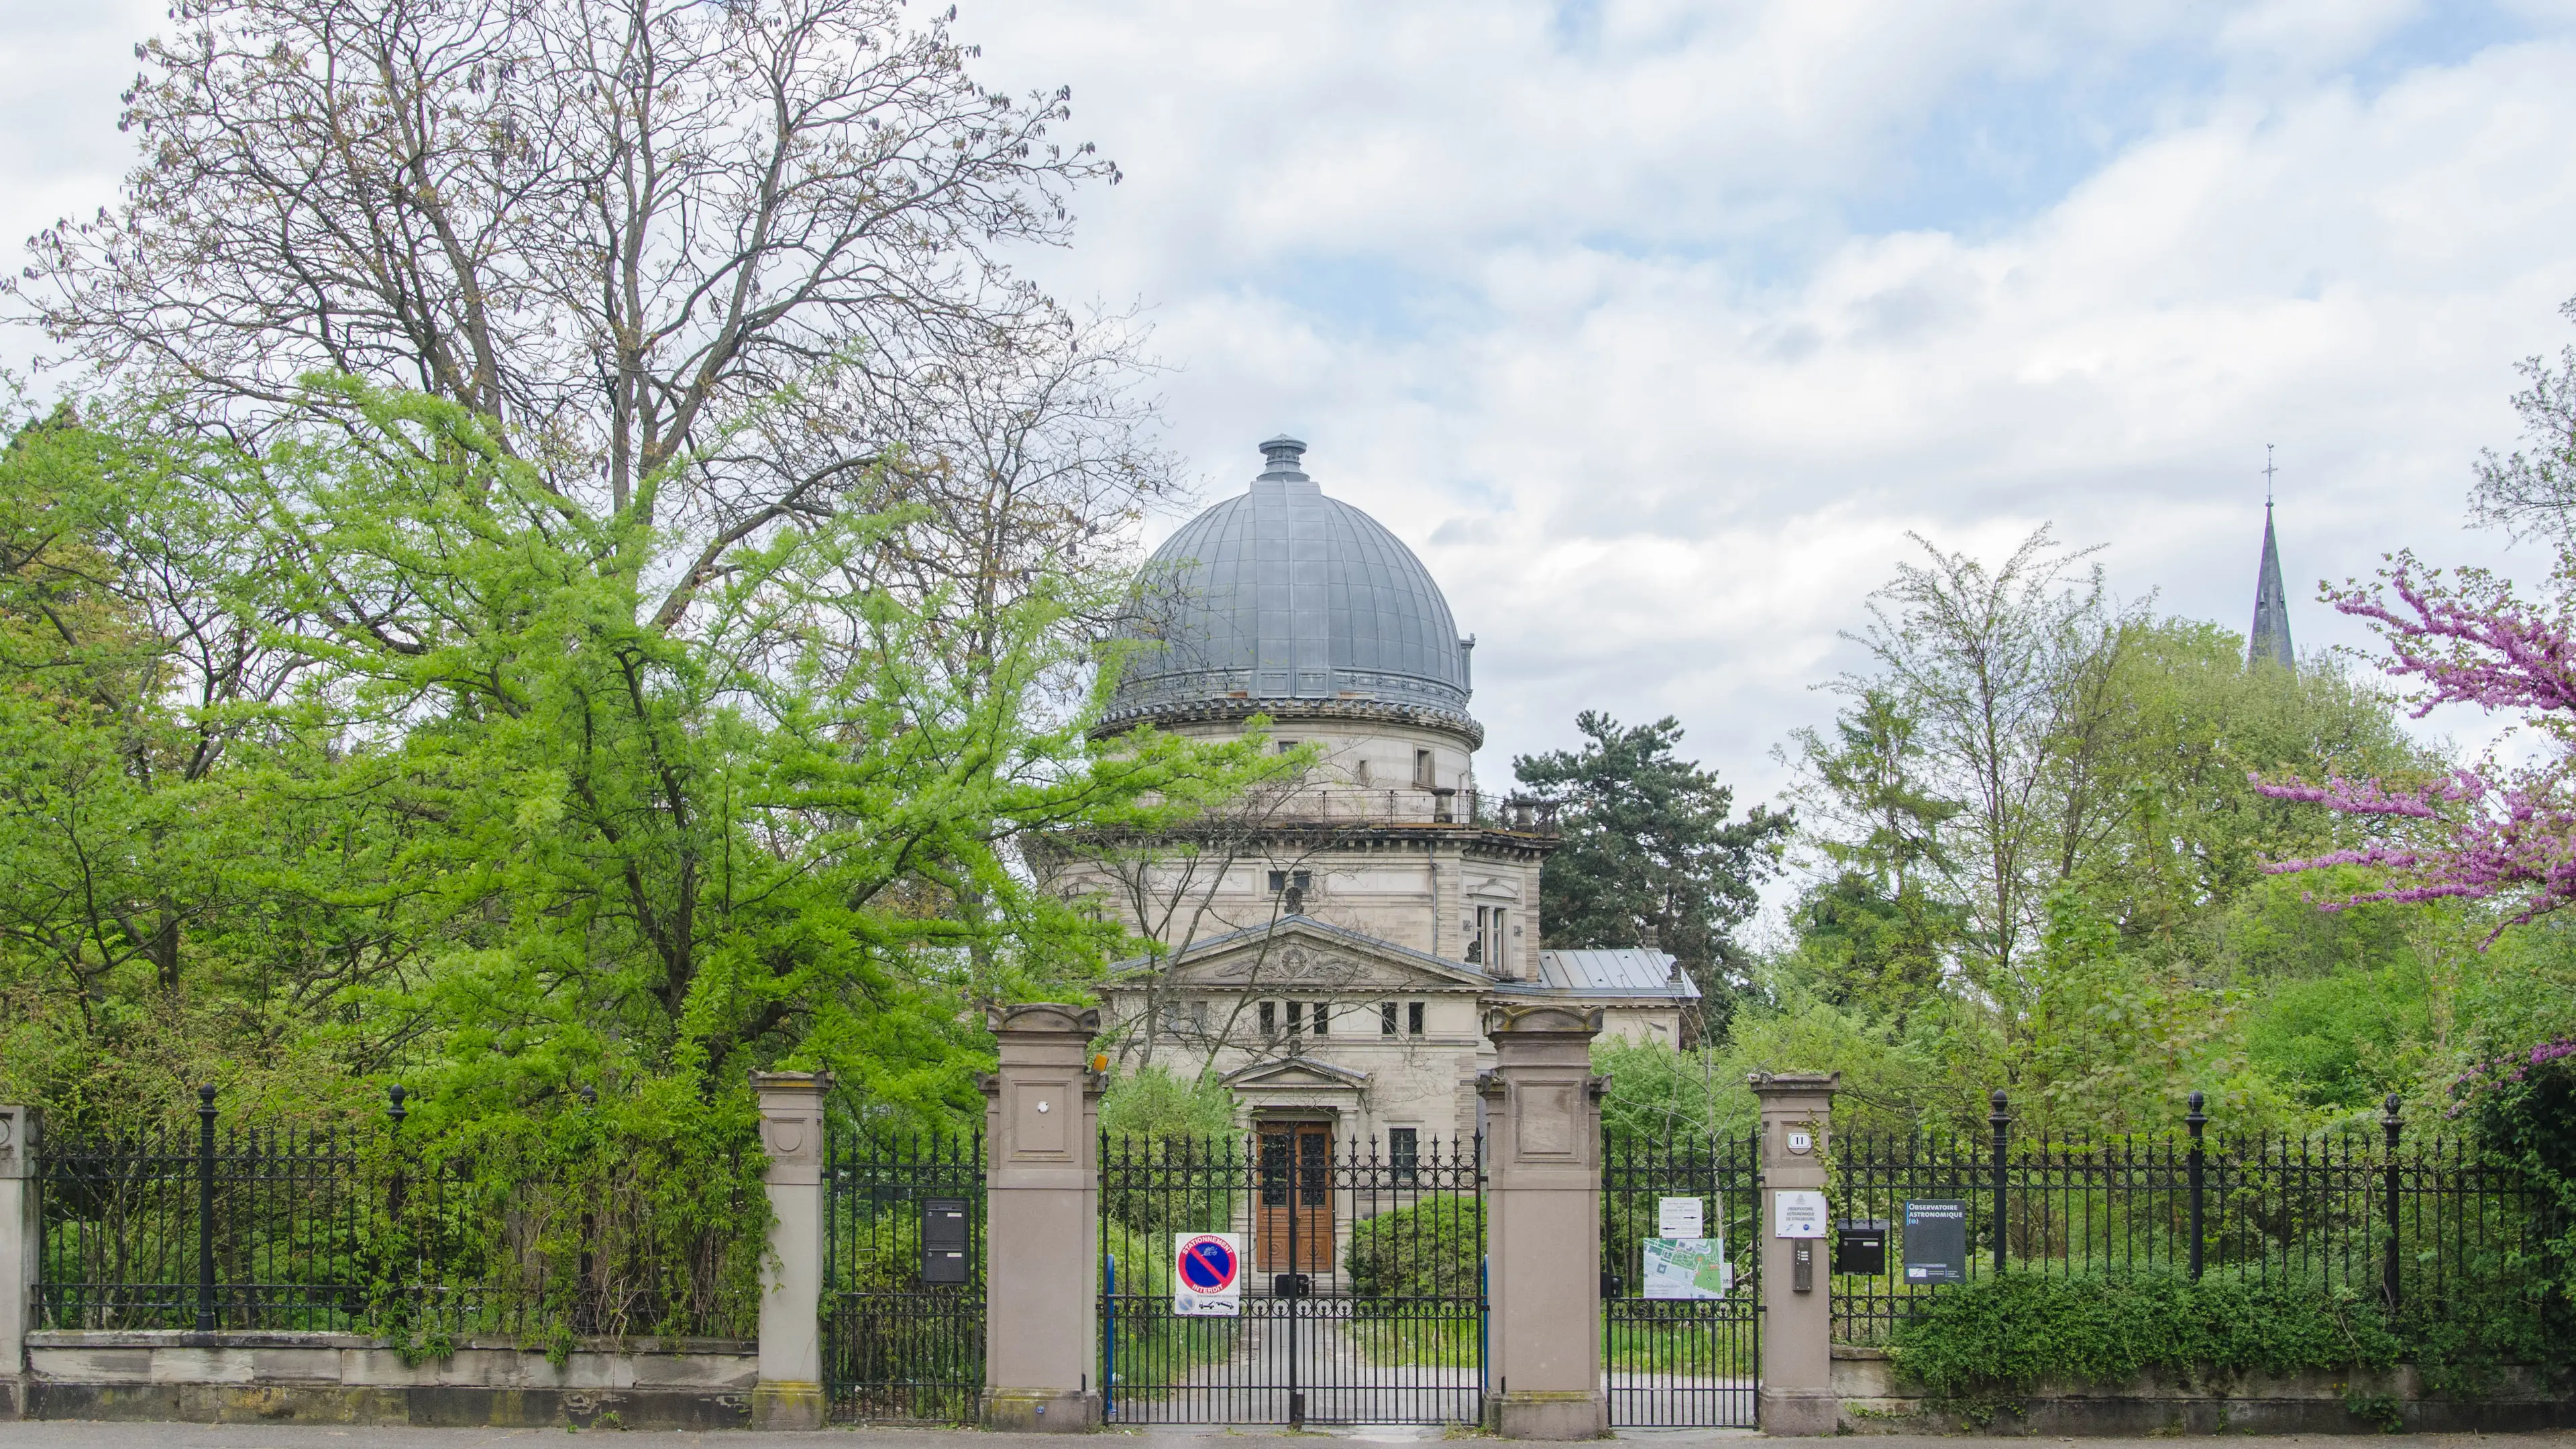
pixel 1404 1150
pixel 1198 1017
pixel 1281 880
pixel 1296 1016
pixel 1286 745
pixel 1270 1018
pixel 1422 769
pixel 1413 1018
pixel 1386 1018
pixel 1323 1022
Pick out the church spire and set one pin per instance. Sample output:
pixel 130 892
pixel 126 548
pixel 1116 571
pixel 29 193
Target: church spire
pixel 2271 635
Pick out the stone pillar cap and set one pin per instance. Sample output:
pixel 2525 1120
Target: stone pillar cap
pixel 1048 1016
pixel 1794 1081
pixel 791 1081
pixel 1542 1020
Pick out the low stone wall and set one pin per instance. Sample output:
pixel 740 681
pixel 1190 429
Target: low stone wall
pixel 340 1378
pixel 1875 1401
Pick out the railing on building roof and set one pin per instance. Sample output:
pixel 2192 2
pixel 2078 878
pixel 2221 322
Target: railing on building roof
pixel 1335 804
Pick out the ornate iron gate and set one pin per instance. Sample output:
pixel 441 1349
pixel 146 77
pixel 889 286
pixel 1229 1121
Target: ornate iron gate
pixel 1365 1301
pixel 1682 1360
pixel 903 1286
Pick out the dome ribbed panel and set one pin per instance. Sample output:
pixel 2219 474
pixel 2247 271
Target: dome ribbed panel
pixel 1283 593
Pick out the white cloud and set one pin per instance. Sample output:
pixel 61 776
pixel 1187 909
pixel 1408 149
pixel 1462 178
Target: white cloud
pixel 1655 325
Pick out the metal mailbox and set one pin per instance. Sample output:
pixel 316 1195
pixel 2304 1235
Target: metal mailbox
pixel 1860 1246
pixel 946 1239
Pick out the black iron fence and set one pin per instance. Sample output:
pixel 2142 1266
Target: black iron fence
pixel 2419 1224
pixel 1681 1259
pixel 245 1227
pixel 903 1285
pixel 1359 1270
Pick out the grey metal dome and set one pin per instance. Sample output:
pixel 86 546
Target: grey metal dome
pixel 1283 594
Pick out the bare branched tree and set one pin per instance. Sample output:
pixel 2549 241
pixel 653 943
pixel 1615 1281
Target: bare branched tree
pixel 718 264
pixel 2000 672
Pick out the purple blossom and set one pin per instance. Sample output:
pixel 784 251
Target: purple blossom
pixel 2468 641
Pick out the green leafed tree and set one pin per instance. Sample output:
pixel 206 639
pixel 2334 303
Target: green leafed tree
pixel 1651 847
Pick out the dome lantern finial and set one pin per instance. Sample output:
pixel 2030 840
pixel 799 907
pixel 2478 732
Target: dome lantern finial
pixel 1283 453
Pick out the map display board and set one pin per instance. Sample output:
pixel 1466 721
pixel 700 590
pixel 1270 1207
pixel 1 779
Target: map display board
pixel 1686 1268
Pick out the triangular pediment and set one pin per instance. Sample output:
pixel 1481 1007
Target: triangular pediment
pixel 1287 1072
pixel 1300 954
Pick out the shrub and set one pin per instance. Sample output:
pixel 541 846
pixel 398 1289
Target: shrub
pixel 1985 1343
pixel 1429 1250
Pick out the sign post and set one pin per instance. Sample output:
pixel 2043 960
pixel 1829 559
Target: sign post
pixel 1207 1275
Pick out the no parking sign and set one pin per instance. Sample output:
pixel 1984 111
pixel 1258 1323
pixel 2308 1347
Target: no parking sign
pixel 1207 1275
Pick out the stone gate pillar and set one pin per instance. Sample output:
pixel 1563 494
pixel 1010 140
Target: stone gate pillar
pixel 1543 1224
pixel 19 1228
pixel 1797 1302
pixel 1041 1271
pixel 790 1392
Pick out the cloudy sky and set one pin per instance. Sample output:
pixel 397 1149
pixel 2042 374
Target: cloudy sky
pixel 1656 326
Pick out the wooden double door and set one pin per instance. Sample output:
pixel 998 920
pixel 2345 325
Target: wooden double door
pixel 1296 1198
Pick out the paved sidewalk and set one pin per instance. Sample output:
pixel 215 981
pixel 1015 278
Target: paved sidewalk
pixel 63 1434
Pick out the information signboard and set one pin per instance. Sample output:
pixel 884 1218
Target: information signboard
pixel 1936 1241
pixel 1677 1217
pixel 1207 1275
pixel 1796 1213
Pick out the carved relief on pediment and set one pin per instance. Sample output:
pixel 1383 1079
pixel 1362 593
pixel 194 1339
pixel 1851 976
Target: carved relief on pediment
pixel 1300 964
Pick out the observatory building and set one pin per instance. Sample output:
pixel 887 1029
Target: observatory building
pixel 1331 945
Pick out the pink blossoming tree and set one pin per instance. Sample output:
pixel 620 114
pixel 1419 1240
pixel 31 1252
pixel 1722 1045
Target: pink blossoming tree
pixel 2484 833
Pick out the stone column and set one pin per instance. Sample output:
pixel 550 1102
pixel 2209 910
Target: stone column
pixel 790 1394
pixel 1797 1324
pixel 1543 1224
pixel 1041 1233
pixel 20 1227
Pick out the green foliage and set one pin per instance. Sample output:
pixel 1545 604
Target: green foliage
pixel 1433 1248
pixel 2522 1106
pixel 1649 842
pixel 1151 1105
pixel 370 757
pixel 1987 1342
pixel 2346 1040
pixel 641 1216
pixel 2101 821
